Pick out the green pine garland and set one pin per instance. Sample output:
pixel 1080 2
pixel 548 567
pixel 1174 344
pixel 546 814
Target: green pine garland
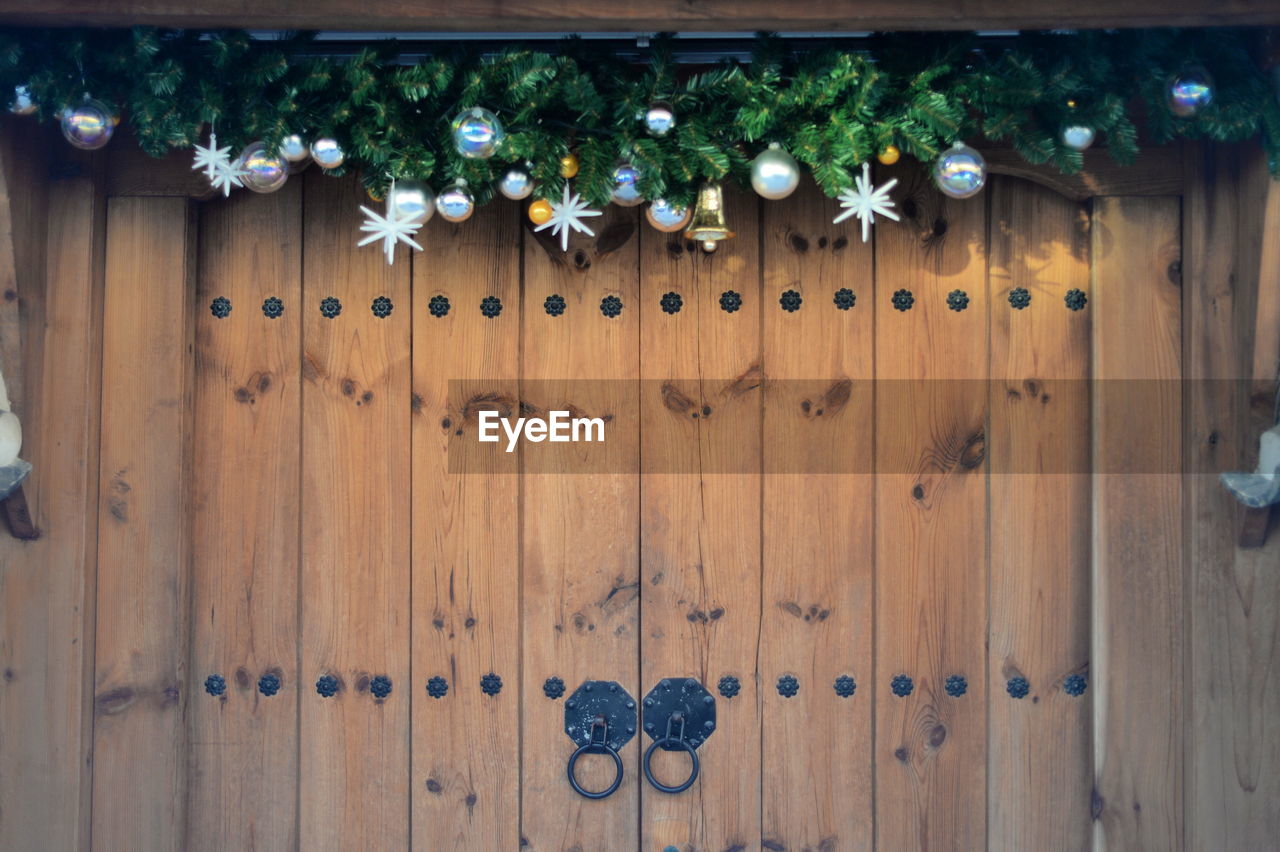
pixel 832 110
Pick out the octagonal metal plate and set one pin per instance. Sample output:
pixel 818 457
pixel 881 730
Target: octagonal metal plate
pixel 600 698
pixel 680 695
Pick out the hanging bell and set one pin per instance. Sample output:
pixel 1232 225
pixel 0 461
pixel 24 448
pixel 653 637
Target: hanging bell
pixel 708 225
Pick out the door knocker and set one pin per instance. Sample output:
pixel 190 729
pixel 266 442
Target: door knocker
pixel 601 718
pixel 685 714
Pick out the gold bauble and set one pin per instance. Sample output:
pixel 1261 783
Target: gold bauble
pixel 568 166
pixel 889 155
pixel 540 212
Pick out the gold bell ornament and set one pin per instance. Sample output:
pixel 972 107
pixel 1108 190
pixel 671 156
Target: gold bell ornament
pixel 708 226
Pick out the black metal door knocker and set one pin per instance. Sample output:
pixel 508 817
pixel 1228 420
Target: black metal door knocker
pixel 685 714
pixel 601 718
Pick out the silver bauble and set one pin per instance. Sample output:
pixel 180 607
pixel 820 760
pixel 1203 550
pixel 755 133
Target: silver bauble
pixel 667 217
pixel 1190 91
pixel 294 149
pixel 775 174
pixel 960 172
pixel 22 103
pixel 412 200
pixel 659 119
pixel 264 172
pixel 626 185
pixel 89 125
pixel 327 153
pixel 456 203
pixel 516 184
pixel 477 133
pixel 1078 136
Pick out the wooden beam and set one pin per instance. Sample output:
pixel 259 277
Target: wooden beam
pixel 632 15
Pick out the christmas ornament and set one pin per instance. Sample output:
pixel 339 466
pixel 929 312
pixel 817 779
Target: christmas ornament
pixel 22 103
pixel 90 125
pixel 960 172
pixel 294 149
pixel 477 133
pixel 566 215
pixel 456 204
pixel 659 119
pixel 208 158
pixel 412 200
pixel 1190 91
pixel 327 153
pixel 866 201
pixel 1078 137
pixel 775 174
pixel 568 166
pixel 390 229
pixel 263 172
pixel 707 225
pixel 889 155
pixel 626 181
pixel 516 184
pixel 540 211
pixel 667 217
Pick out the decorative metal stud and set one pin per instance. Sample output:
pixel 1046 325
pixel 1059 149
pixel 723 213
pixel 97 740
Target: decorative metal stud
pixel 844 299
pixel 380 686
pixel 1075 299
pixel 730 301
pixel 790 301
pixel 1019 297
pixel 220 307
pixel 269 684
pixel 215 685
pixel 845 686
pixel 902 685
pixel 729 686
pixel 490 306
pixel 437 687
pixel 1075 685
pixel 272 307
pixel 956 686
pixel 491 684
pixel 553 687
pixel 611 306
pixel 671 303
pixel 957 300
pixel 438 306
pixel 1018 687
pixel 381 307
pixel 903 300
pixel 788 686
pixel 554 305
pixel 327 686
pixel 330 307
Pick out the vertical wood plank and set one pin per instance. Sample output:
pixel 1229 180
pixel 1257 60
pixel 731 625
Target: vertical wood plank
pixel 244 744
pixel 580 522
pixel 931 520
pixel 818 587
pixel 700 521
pixel 355 530
pixel 142 683
pixel 1137 564
pixel 1040 521
pixel 466 577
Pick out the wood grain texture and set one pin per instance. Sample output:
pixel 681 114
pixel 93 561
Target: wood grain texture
pixel 1138 641
pixel 818 591
pixel 700 520
pixel 580 516
pixel 142 684
pixel 1040 521
pixel 1156 171
pixel 931 522
pixel 355 531
pixel 244 744
pixel 466 557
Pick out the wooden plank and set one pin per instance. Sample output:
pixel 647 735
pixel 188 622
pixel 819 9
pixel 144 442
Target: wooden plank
pixel 244 744
pixel 355 530
pixel 47 586
pixel 931 520
pixel 133 172
pixel 142 684
pixel 466 585
pixel 1157 170
pixel 700 520
pixel 1137 497
pixel 1040 522
pixel 580 518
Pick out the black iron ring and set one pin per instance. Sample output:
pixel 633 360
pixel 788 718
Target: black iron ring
pixel 595 748
pixel 678 742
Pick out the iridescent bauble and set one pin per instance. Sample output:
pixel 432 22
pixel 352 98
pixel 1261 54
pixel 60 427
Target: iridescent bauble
pixel 667 217
pixel 294 149
pixel 1190 91
pixel 456 203
pixel 515 184
pixel 412 200
pixel 659 119
pixel 90 125
pixel 626 185
pixel 477 133
pixel 960 172
pixel 540 212
pixel 327 153
pixel 1078 137
pixel 22 103
pixel 568 166
pixel 889 155
pixel 775 174
pixel 264 172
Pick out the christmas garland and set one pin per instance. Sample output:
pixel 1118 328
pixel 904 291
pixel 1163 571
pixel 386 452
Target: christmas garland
pixel 582 111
